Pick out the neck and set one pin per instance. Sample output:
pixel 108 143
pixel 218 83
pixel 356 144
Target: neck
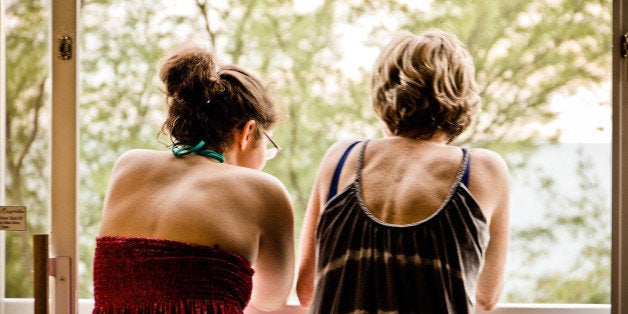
pixel 441 139
pixel 438 138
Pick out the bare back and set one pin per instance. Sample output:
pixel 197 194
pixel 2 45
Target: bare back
pixel 193 199
pixel 405 182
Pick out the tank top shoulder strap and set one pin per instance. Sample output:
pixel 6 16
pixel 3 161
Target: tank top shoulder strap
pixel 466 159
pixel 358 168
pixel 333 187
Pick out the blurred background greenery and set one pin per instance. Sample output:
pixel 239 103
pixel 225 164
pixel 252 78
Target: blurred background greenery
pixel 316 58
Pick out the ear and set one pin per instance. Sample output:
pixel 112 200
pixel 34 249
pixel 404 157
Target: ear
pixel 246 135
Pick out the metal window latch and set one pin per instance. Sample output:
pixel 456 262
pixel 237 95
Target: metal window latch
pixel 65 48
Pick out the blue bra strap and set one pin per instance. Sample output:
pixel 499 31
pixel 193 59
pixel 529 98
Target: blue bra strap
pixel 333 187
pixel 465 176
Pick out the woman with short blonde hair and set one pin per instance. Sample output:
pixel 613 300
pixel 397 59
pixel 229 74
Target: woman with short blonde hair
pixel 409 223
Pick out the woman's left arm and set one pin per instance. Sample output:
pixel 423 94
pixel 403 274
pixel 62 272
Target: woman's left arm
pixel 274 265
pixel 489 183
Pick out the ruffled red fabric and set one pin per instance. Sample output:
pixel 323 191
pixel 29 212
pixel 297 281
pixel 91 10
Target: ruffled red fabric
pixel 140 275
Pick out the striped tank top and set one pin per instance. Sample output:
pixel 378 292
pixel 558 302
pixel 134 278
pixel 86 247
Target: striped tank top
pixel 365 265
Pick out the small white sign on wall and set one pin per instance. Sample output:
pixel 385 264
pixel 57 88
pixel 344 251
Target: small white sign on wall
pixel 13 218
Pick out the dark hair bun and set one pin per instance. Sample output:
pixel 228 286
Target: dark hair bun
pixel 207 102
pixel 188 75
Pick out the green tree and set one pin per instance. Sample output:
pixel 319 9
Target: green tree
pixel 27 142
pixel 525 51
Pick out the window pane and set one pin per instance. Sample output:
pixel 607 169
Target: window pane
pixel 27 127
pixel 545 109
pixel 561 204
pixel 545 106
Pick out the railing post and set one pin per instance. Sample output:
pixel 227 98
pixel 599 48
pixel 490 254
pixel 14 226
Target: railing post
pixel 40 273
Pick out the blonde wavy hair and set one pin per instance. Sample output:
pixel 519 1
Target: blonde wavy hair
pixel 423 83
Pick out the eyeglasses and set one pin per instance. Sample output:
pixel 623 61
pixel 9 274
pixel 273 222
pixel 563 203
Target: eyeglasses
pixel 271 152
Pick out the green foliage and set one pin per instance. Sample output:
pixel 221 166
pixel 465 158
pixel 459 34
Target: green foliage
pixel 525 52
pixel 27 144
pixel 583 217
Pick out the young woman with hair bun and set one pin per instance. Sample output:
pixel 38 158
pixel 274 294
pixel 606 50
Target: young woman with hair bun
pixel 198 228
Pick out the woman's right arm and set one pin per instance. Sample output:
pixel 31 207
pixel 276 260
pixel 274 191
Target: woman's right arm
pixel 307 258
pixel 307 245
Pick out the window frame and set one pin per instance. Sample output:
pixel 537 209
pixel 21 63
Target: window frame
pixel 64 155
pixel 619 220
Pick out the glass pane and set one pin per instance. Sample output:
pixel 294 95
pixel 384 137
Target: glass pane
pixel 543 67
pixel 27 129
pixel 561 202
pixel 545 106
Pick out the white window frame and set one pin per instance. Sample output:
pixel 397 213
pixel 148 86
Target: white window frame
pixel 64 155
pixel 64 219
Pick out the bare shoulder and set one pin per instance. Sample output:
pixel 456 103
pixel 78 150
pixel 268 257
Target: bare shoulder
pixel 135 157
pixel 334 153
pixel 275 210
pixel 132 166
pixel 336 150
pixel 488 161
pixel 135 153
pixel 128 160
pixel 262 186
pixel 489 182
pixel 258 179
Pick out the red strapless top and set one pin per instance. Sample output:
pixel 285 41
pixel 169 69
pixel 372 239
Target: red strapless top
pixel 140 275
